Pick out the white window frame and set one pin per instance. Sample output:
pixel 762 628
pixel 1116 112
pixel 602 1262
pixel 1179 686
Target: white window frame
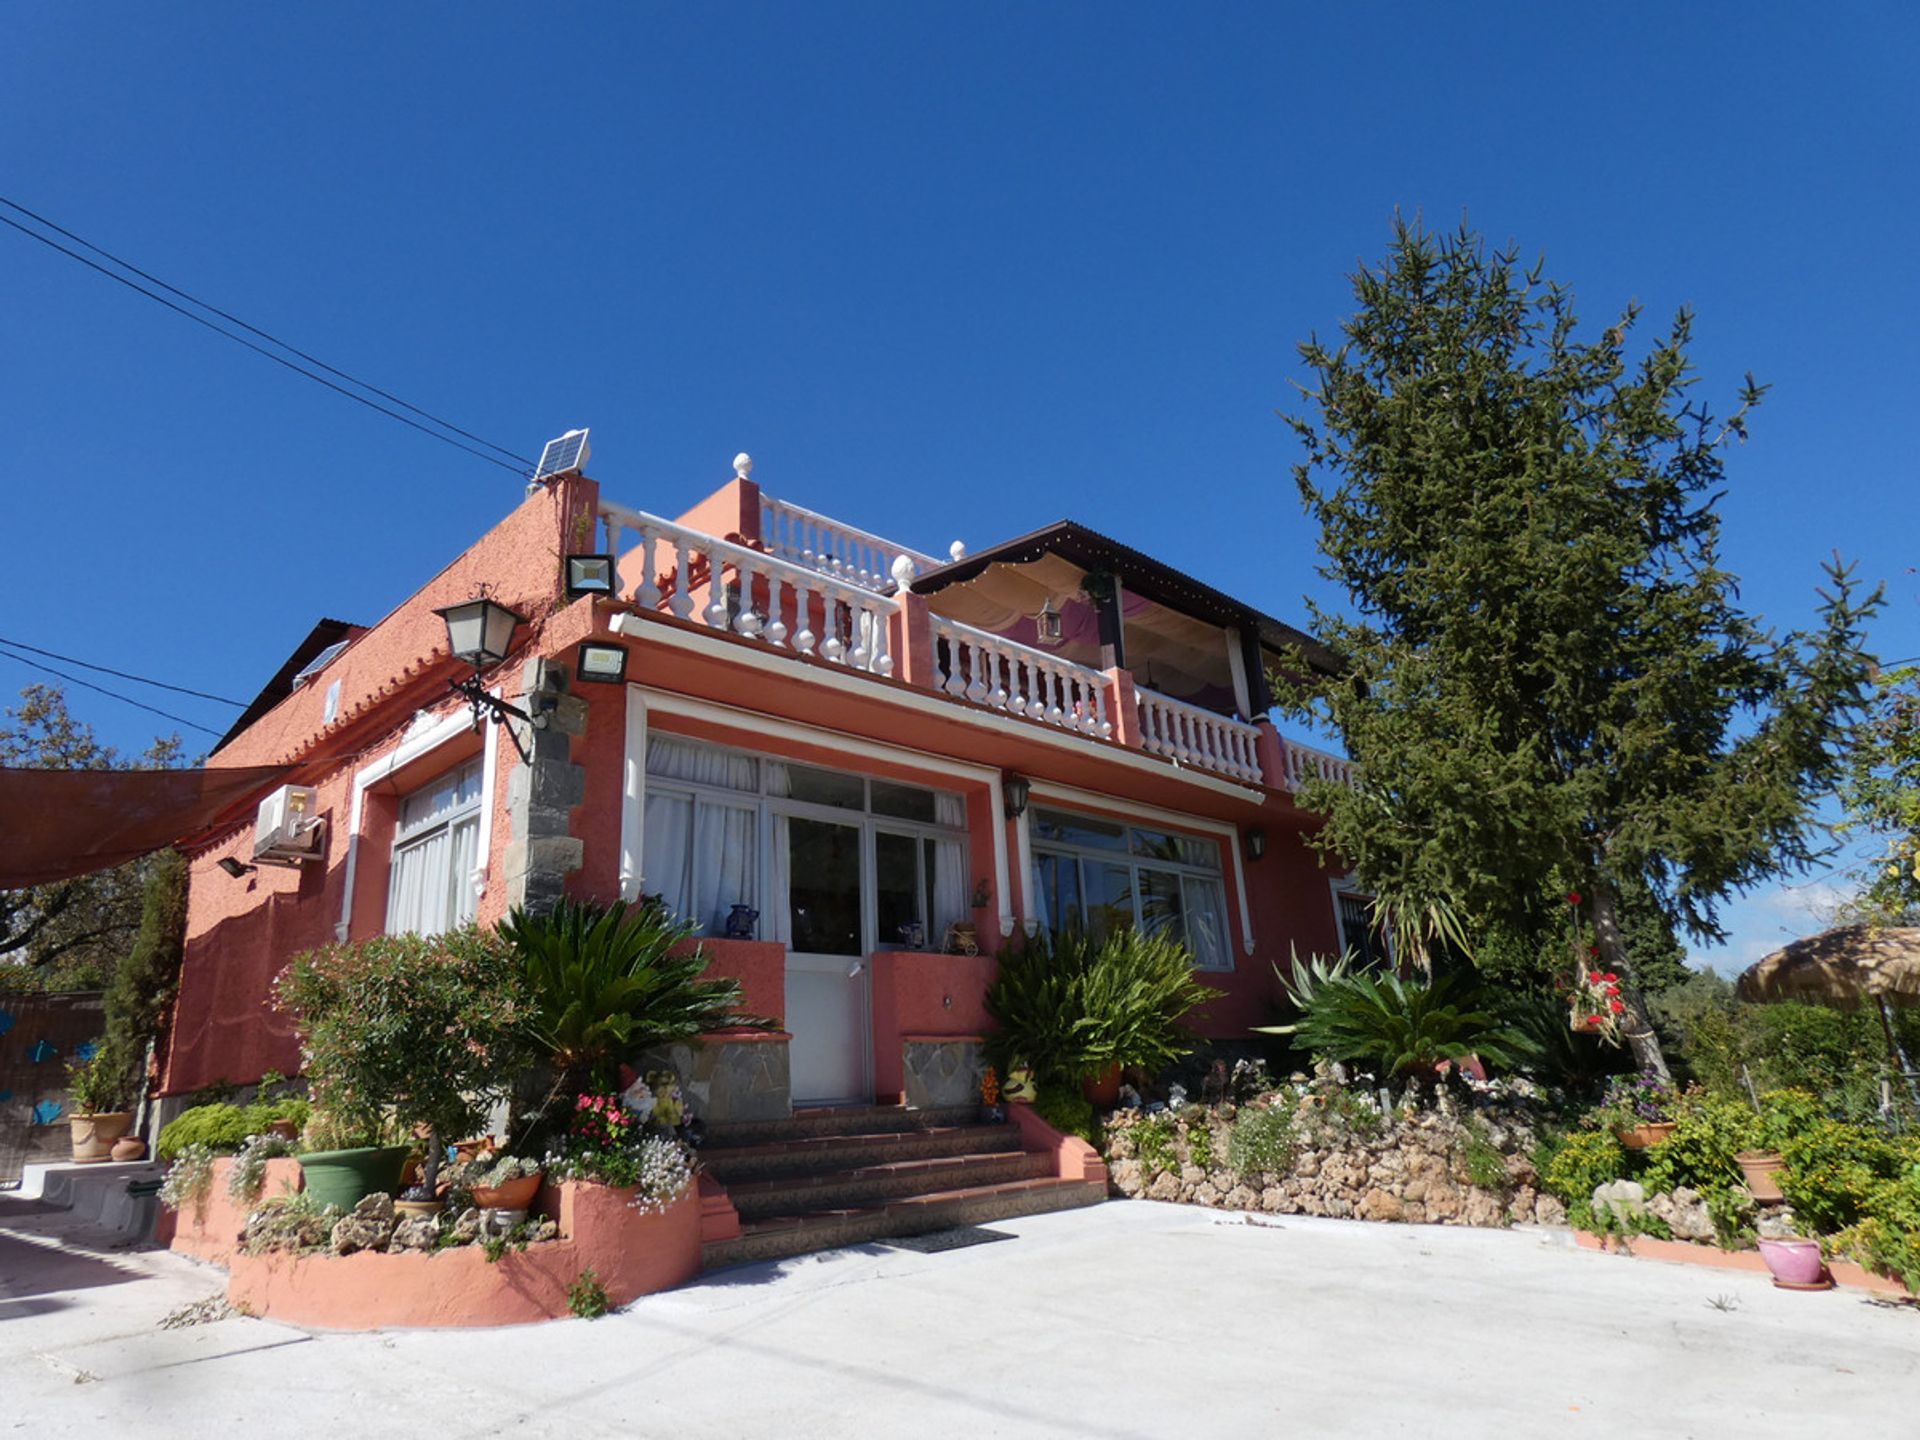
pixel 1116 807
pixel 866 820
pixel 422 832
pixel 938 772
pixel 1127 858
pixel 427 733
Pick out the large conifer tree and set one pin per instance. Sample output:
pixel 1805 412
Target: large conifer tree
pixel 1551 681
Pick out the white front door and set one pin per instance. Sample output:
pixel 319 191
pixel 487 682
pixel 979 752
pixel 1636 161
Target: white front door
pixel 827 962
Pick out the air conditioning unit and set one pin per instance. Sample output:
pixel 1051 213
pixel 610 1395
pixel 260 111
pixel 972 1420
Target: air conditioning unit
pixel 288 829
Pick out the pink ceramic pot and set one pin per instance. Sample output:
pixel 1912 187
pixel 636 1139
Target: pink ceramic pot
pixel 1794 1262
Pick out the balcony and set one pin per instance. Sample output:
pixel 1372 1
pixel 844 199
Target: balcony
pixel 827 591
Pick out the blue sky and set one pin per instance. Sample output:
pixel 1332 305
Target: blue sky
pixel 945 270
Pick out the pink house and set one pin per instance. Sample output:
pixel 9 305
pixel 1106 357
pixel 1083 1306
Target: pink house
pixel 835 753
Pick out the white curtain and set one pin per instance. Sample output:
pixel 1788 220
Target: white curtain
pixel 671 758
pixel 948 902
pixel 1206 923
pixel 1037 896
pixel 466 840
pixel 669 823
pixel 431 889
pixel 724 863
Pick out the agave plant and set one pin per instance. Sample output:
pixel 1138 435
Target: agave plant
pixel 1404 1027
pixel 605 980
pixel 1302 979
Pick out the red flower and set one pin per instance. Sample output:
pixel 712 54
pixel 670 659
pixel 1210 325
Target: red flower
pixel 1593 977
pixel 1593 949
pixel 1615 1006
pixel 1611 977
pixel 1573 897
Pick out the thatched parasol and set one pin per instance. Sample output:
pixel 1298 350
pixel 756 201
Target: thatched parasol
pixel 1844 967
pixel 1839 967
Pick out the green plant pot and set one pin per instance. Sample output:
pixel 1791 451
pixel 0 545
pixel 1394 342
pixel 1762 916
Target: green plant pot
pixel 345 1177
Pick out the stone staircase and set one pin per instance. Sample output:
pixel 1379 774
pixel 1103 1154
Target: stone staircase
pixel 848 1175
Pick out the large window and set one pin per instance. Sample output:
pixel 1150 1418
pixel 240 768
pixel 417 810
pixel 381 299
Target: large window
pixel 791 841
pixel 1097 875
pixel 435 853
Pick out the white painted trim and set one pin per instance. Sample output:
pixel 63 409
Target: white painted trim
pixel 777 662
pixel 1229 835
pixel 633 796
pixel 1023 835
pixel 422 737
pixel 755 722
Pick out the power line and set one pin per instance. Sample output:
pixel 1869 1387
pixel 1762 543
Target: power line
pixel 111 694
pixel 262 350
pixel 122 674
pixel 128 265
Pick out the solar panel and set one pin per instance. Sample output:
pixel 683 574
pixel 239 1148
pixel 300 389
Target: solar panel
pixel 319 663
pixel 569 452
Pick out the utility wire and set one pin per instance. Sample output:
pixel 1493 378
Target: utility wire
pixel 128 265
pixel 122 674
pixel 112 694
pixel 262 350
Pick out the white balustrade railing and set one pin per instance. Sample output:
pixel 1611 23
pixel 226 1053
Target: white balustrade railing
pixel 767 598
pixel 1018 679
pixel 1305 763
pixel 845 552
pixel 1197 737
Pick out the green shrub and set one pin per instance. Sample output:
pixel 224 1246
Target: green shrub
pixel 1708 1132
pixel 1263 1140
pixel 1561 1056
pixel 1887 1240
pixel 1067 1111
pixel 139 994
pixel 1153 1143
pixel 223 1128
pixel 1486 1167
pixel 1833 1171
pixel 1074 1007
pixel 1580 1164
pixel 419 1030
pixel 1404 1028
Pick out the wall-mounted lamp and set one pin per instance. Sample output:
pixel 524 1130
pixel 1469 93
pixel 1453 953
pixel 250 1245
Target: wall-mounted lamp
pixel 234 868
pixel 1014 790
pixel 591 575
pixel 1255 842
pixel 480 632
pixel 605 664
pixel 1046 625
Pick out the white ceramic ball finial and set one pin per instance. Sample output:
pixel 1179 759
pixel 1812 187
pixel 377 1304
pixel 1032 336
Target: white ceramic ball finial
pixel 742 465
pixel 903 570
pixel 958 550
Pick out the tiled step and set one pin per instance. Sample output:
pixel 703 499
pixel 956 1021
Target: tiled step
pixel 840 1189
pixel 778 1236
pixel 766 1160
pixel 841 1120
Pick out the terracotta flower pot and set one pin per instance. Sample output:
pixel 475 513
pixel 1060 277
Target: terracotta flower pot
pixel 285 1129
pixel 1796 1264
pixel 1761 1169
pixel 428 1208
pixel 129 1148
pixel 1102 1088
pixel 93 1135
pixel 514 1195
pixel 1645 1137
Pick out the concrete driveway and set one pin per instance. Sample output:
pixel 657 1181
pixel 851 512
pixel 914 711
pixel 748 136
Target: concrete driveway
pixel 1127 1320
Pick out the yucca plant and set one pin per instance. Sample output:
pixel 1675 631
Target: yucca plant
pixel 1404 1028
pixel 603 981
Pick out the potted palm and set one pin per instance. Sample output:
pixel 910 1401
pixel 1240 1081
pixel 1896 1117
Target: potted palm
pixel 97 1087
pixel 400 1034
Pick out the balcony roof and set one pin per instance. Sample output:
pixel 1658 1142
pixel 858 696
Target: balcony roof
pixel 1140 574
